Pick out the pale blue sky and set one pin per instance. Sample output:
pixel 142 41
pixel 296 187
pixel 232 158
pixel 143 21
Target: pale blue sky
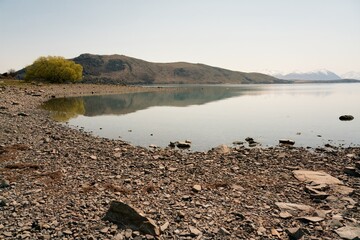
pixel 252 35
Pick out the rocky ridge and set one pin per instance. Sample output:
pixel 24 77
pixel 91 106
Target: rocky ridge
pixel 120 69
pixel 59 183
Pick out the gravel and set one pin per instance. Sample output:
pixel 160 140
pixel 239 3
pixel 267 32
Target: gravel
pixel 58 182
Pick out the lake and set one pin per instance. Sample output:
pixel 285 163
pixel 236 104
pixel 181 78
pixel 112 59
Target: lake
pixel 210 115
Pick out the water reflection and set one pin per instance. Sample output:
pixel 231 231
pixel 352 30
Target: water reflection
pixel 213 115
pixel 65 108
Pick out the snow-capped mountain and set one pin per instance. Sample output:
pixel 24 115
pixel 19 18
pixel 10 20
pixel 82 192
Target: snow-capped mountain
pixel 351 75
pixel 322 74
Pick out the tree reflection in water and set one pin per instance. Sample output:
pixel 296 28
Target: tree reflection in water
pixel 63 109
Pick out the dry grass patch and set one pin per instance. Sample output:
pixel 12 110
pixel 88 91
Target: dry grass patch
pixel 13 82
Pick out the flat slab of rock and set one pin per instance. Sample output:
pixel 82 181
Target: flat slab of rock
pixel 294 208
pixel 287 141
pixel 311 219
pixel 124 215
pixel 344 190
pixel 183 144
pixel 316 177
pixel 349 232
pixel 285 215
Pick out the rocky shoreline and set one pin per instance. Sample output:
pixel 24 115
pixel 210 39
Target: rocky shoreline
pixel 58 182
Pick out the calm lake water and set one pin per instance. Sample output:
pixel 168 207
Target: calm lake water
pixel 214 115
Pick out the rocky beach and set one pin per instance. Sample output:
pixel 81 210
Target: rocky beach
pixel 59 183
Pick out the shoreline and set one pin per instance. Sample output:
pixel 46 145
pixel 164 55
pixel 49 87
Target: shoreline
pixel 64 180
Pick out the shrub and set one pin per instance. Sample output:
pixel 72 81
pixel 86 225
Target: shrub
pixel 54 70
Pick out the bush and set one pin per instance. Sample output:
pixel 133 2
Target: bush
pixel 11 72
pixel 54 70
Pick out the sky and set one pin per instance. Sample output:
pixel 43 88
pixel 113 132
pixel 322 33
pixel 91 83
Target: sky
pixel 241 35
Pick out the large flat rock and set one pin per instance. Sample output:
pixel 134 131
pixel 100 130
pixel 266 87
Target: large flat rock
pixel 351 233
pixel 124 215
pixel 316 177
pixel 293 207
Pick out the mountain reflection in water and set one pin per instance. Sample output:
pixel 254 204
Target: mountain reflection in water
pixel 213 115
pixel 65 108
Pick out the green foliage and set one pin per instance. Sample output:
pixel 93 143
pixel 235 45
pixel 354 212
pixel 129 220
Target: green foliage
pixel 65 108
pixel 54 70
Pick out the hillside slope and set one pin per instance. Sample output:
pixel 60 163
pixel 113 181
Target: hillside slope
pixel 120 69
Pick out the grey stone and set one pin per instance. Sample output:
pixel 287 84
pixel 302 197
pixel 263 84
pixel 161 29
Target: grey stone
pixel 311 219
pixel 128 233
pixel 118 236
pixel 293 208
pixel 350 233
pixel 285 215
pixel 7 234
pixel 261 231
pixel 224 231
pixel 67 232
pixel 335 223
pixel 194 231
pixel 316 177
pixel 22 114
pixel 343 189
pixel 222 149
pixel 196 188
pixel 164 226
pixel 183 144
pixel 287 141
pixel 357 165
pixel 104 230
pixel 4 183
pixel 346 118
pixel 124 215
pixel 351 171
pixel 295 233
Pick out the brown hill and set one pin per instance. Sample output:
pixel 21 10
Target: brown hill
pixel 120 69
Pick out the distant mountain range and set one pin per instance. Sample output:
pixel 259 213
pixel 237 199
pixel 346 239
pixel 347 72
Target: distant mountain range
pixel 351 75
pixel 311 76
pixel 120 69
pixel 319 75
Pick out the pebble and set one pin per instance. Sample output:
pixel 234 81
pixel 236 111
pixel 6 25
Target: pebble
pixel 295 233
pixel 227 195
pixel 67 232
pixel 194 231
pixel 164 226
pixel 104 230
pixel 196 188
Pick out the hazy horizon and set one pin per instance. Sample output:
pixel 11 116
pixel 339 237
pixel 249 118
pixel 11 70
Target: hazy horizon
pixel 248 36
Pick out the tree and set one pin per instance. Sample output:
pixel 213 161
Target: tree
pixel 11 72
pixel 54 69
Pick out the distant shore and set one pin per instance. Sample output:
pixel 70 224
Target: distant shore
pixel 58 182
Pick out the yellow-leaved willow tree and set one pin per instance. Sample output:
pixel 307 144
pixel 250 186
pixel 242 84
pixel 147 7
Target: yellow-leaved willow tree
pixel 54 69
